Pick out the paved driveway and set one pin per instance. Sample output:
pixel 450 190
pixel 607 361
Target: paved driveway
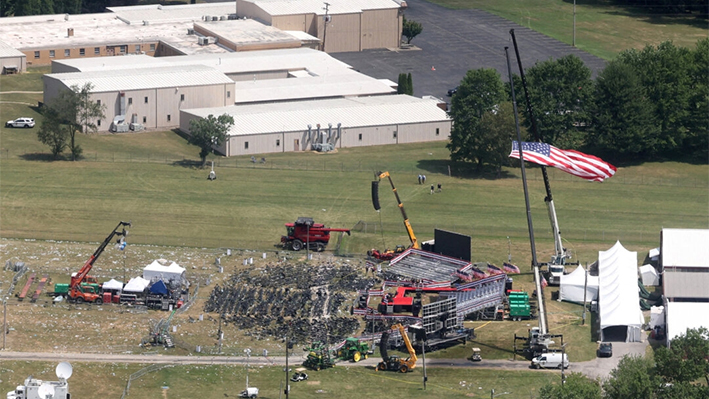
pixel 455 41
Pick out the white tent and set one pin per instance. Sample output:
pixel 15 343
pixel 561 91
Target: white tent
pixel 684 315
pixel 161 269
pixel 136 284
pixel 571 286
pixel 618 298
pixel 112 284
pixel 649 275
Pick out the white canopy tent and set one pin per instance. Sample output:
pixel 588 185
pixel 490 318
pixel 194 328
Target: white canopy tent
pixel 571 286
pixel 112 285
pixel 657 316
pixel 136 284
pixel 619 301
pixel 649 275
pixel 161 269
pixel 685 315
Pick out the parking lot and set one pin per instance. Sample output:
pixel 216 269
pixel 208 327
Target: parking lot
pixel 455 41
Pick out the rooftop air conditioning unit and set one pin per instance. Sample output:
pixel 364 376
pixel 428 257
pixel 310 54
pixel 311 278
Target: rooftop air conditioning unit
pixel 233 16
pixel 223 18
pixel 202 41
pixel 146 22
pixel 190 31
pixel 207 18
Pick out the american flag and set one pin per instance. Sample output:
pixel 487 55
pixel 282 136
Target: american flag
pixel 577 163
pixel 494 270
pixel 510 268
pixel 477 273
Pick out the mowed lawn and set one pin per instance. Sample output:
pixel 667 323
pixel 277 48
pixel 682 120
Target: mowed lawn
pixel 602 28
pixel 222 381
pixel 150 179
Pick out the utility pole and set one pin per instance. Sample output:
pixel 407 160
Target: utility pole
pixel 248 354
pixel 327 19
pixel 563 366
pixel 286 390
pixel 585 284
pixel 4 322
pixel 423 352
pixel 573 40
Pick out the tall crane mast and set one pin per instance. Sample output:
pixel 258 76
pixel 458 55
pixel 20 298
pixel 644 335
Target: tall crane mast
pixel 409 229
pixel 75 284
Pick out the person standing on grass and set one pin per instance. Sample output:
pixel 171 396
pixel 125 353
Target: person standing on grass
pixel 420 179
pixel 424 179
pixel 439 187
pixel 431 188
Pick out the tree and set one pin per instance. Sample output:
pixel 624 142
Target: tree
pixel 480 91
pixel 53 133
pixel 494 135
pixel 410 29
pixel 75 109
pixel 633 378
pixel 561 92
pixel 409 85
pixel 209 133
pixel 697 143
pixel 623 119
pixel 687 358
pixel 664 71
pixel 576 386
pixel 401 87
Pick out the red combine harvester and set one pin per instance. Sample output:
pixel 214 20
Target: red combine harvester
pixel 306 232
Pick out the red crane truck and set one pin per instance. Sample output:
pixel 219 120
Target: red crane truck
pixel 86 293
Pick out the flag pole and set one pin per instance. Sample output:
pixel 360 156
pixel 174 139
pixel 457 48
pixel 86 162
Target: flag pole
pixel 535 264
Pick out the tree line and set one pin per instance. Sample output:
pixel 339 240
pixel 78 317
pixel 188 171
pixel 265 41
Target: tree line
pixel 678 372
pixel 645 104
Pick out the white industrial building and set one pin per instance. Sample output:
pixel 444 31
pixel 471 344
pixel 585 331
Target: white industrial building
pixel 11 60
pixel 349 25
pixel 152 97
pixel 684 261
pixel 339 123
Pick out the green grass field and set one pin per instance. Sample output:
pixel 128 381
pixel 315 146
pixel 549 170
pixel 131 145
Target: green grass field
pixel 602 28
pixel 213 382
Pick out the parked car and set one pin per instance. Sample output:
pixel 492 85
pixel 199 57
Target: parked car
pixel 452 91
pixel 605 349
pixel 20 122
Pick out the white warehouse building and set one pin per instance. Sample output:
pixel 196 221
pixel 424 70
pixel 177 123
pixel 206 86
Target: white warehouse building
pixel 152 97
pixel 338 123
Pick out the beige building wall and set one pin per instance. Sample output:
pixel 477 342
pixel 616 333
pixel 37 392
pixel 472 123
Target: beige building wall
pixel 251 10
pixel 45 56
pixel 343 33
pixel 293 22
pixel 381 29
pixel 18 61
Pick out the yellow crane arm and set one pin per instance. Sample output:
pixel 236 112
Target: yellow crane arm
pixel 409 229
pixel 411 363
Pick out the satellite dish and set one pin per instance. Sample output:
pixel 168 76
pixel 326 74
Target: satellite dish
pixel 46 390
pixel 64 370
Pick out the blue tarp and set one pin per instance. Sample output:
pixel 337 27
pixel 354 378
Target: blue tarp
pixel 158 288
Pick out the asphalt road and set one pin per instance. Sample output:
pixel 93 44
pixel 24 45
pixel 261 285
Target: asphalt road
pixel 594 368
pixel 455 41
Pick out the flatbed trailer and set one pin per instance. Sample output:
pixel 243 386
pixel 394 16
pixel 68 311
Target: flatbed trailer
pixel 26 288
pixel 40 287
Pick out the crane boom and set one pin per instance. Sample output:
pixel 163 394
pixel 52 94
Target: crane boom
pixel 409 229
pixel 84 271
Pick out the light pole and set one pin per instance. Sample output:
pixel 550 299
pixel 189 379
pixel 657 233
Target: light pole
pixel 573 40
pixel 4 321
pixel 494 395
pixel 248 354
pixel 327 19
pixel 563 366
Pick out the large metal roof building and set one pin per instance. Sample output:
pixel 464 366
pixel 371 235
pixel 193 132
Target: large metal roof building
pixel 338 123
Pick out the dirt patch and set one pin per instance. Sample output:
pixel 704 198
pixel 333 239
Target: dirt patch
pixel 313 382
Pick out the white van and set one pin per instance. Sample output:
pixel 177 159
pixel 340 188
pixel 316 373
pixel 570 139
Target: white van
pixel 550 360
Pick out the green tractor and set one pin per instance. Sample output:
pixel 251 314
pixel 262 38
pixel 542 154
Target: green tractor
pixel 318 357
pixel 354 350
